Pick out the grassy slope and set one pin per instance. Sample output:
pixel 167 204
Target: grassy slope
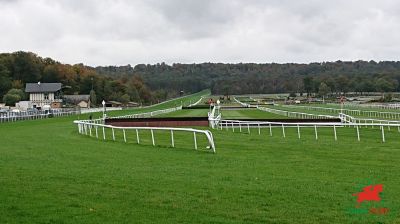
pixel 187 113
pixel 249 113
pixel 50 174
pixel 185 101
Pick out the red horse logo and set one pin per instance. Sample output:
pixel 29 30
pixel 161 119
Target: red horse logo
pixel 369 193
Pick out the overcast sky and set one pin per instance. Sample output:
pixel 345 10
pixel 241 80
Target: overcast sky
pixel 105 32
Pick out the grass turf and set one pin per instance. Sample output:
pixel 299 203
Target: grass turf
pixel 318 112
pixel 249 113
pixel 51 174
pixel 187 113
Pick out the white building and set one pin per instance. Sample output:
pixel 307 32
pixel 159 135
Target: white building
pixel 41 94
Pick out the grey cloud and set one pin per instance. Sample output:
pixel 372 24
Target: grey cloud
pixel 138 31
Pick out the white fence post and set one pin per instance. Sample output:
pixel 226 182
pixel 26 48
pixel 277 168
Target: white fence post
pixel 172 139
pixel 316 133
pixel 334 130
pixel 270 129
pixel 195 140
pixel 298 131
pixel 152 137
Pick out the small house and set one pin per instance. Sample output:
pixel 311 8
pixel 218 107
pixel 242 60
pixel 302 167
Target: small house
pixel 113 104
pixel 83 101
pixel 41 94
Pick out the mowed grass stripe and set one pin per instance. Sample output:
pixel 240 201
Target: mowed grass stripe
pixel 51 174
pixel 249 113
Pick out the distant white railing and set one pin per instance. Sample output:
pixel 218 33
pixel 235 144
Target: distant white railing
pixel 94 110
pixel 20 116
pixel 149 114
pixel 194 104
pixel 247 125
pixel 91 128
pixel 365 121
pixel 241 103
pixel 379 106
pixel 296 114
pixel 172 99
pixel 364 113
pixel 289 113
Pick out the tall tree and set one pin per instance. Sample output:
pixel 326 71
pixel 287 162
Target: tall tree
pixel 323 89
pixel 5 80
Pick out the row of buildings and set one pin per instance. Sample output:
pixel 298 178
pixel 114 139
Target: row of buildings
pixel 50 95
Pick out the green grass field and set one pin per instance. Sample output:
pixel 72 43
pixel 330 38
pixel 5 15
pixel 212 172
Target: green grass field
pixel 185 101
pixel 187 113
pixel 51 174
pixel 249 113
pixel 349 107
pixel 226 114
pixel 318 112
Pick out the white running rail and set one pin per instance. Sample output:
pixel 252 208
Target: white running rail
pixel 241 103
pixel 365 113
pixel 296 114
pixel 289 113
pixel 149 114
pixel 194 104
pixel 91 128
pixel 259 125
pixel 94 110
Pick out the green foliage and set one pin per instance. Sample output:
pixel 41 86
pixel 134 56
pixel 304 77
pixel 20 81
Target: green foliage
pixel 384 85
pixel 18 92
pixel 153 83
pixel 5 79
pixel 19 68
pixel 323 89
pixel 125 99
pixel 13 96
pixel 308 85
pixel 225 79
pixel 93 98
pixel 11 99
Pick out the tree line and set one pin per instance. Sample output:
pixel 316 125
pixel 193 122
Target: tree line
pixel 19 68
pixel 338 77
pixel 145 83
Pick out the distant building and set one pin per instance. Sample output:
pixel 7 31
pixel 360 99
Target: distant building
pixel 41 94
pixel 132 104
pixel 113 104
pixel 82 101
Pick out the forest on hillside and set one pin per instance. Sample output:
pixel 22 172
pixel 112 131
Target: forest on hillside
pixel 153 83
pixel 19 68
pixel 334 77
